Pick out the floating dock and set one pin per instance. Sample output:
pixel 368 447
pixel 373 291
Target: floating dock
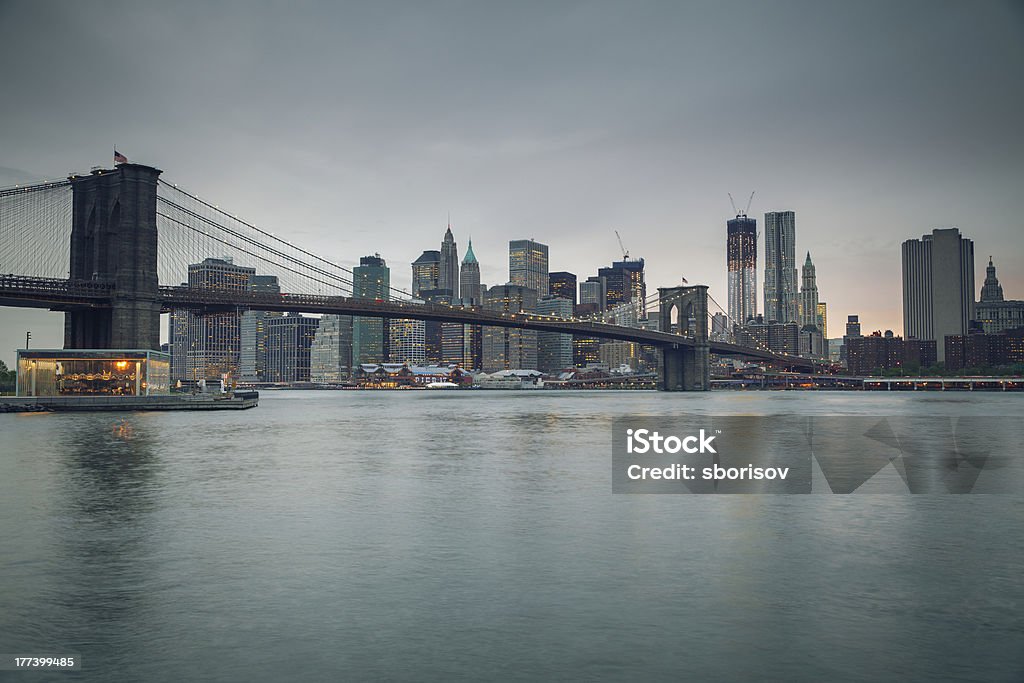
pixel 60 404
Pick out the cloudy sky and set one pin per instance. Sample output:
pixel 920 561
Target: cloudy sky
pixel 357 127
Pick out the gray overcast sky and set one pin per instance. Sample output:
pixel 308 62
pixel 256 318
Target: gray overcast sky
pixel 355 128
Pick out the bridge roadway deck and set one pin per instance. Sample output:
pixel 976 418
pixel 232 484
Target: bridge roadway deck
pixel 59 294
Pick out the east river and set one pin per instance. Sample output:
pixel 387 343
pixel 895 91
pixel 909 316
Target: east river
pixel 441 536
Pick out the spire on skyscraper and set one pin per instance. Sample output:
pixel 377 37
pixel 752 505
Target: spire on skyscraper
pixel 470 257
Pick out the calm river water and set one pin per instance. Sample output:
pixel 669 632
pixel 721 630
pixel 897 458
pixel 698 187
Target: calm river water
pixel 474 536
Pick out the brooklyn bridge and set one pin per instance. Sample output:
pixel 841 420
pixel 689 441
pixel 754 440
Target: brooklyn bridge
pixel 110 248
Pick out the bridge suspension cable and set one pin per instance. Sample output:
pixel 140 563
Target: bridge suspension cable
pixel 35 227
pixel 218 229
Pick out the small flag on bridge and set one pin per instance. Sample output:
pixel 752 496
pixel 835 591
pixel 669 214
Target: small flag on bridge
pixel 120 158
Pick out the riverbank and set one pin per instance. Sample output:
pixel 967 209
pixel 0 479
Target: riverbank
pixel 34 404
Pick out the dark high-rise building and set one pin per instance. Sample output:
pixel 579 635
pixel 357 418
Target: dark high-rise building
pixel 563 285
pixel 554 351
pixel 371 279
pixel 528 265
pixel 253 332
pixel 780 291
pixel 938 286
pixel 625 282
pixel 469 285
pixel 853 326
pixel 212 342
pixel 289 339
pixel 507 348
pixel 426 272
pixel 433 330
pixel 449 267
pixel 741 250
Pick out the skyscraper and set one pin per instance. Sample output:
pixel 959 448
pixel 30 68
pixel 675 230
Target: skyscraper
pixel 213 341
pixel 407 342
pixel 330 356
pixel 426 272
pixel 625 282
pixel 554 350
pixel 823 318
pixel 528 265
pixel 562 284
pixel 507 348
pixel 741 257
pixel 469 286
pixel 809 295
pixel 289 339
pixel 253 332
pixel 449 275
pixel 938 287
pixel 371 279
pixel 594 291
pixel 780 292
pixel 469 352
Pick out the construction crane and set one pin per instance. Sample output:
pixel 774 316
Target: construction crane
pixel 625 252
pixel 737 211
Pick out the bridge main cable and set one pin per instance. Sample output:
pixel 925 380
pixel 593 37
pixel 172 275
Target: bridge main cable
pixel 271 236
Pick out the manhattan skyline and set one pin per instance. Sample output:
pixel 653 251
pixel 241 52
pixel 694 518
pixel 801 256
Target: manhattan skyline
pixel 352 130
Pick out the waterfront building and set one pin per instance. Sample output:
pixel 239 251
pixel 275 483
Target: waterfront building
pixel 212 341
pixel 289 339
pixel 741 257
pixel 407 342
pixel 994 313
pixel 506 348
pixel 252 330
pixel 938 286
pixel 330 356
pixel 554 351
pixel 92 372
pixel 371 279
pixel 528 265
pixel 617 354
pixel 563 284
pixel 852 331
pixel 780 292
pixel 823 318
pixel 770 335
pixel 426 272
pixel 868 354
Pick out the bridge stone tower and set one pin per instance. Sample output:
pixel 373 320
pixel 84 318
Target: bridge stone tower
pixel 684 310
pixel 113 238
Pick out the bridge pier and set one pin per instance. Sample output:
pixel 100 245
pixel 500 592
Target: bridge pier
pixel 114 239
pixel 685 369
pixel 684 311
